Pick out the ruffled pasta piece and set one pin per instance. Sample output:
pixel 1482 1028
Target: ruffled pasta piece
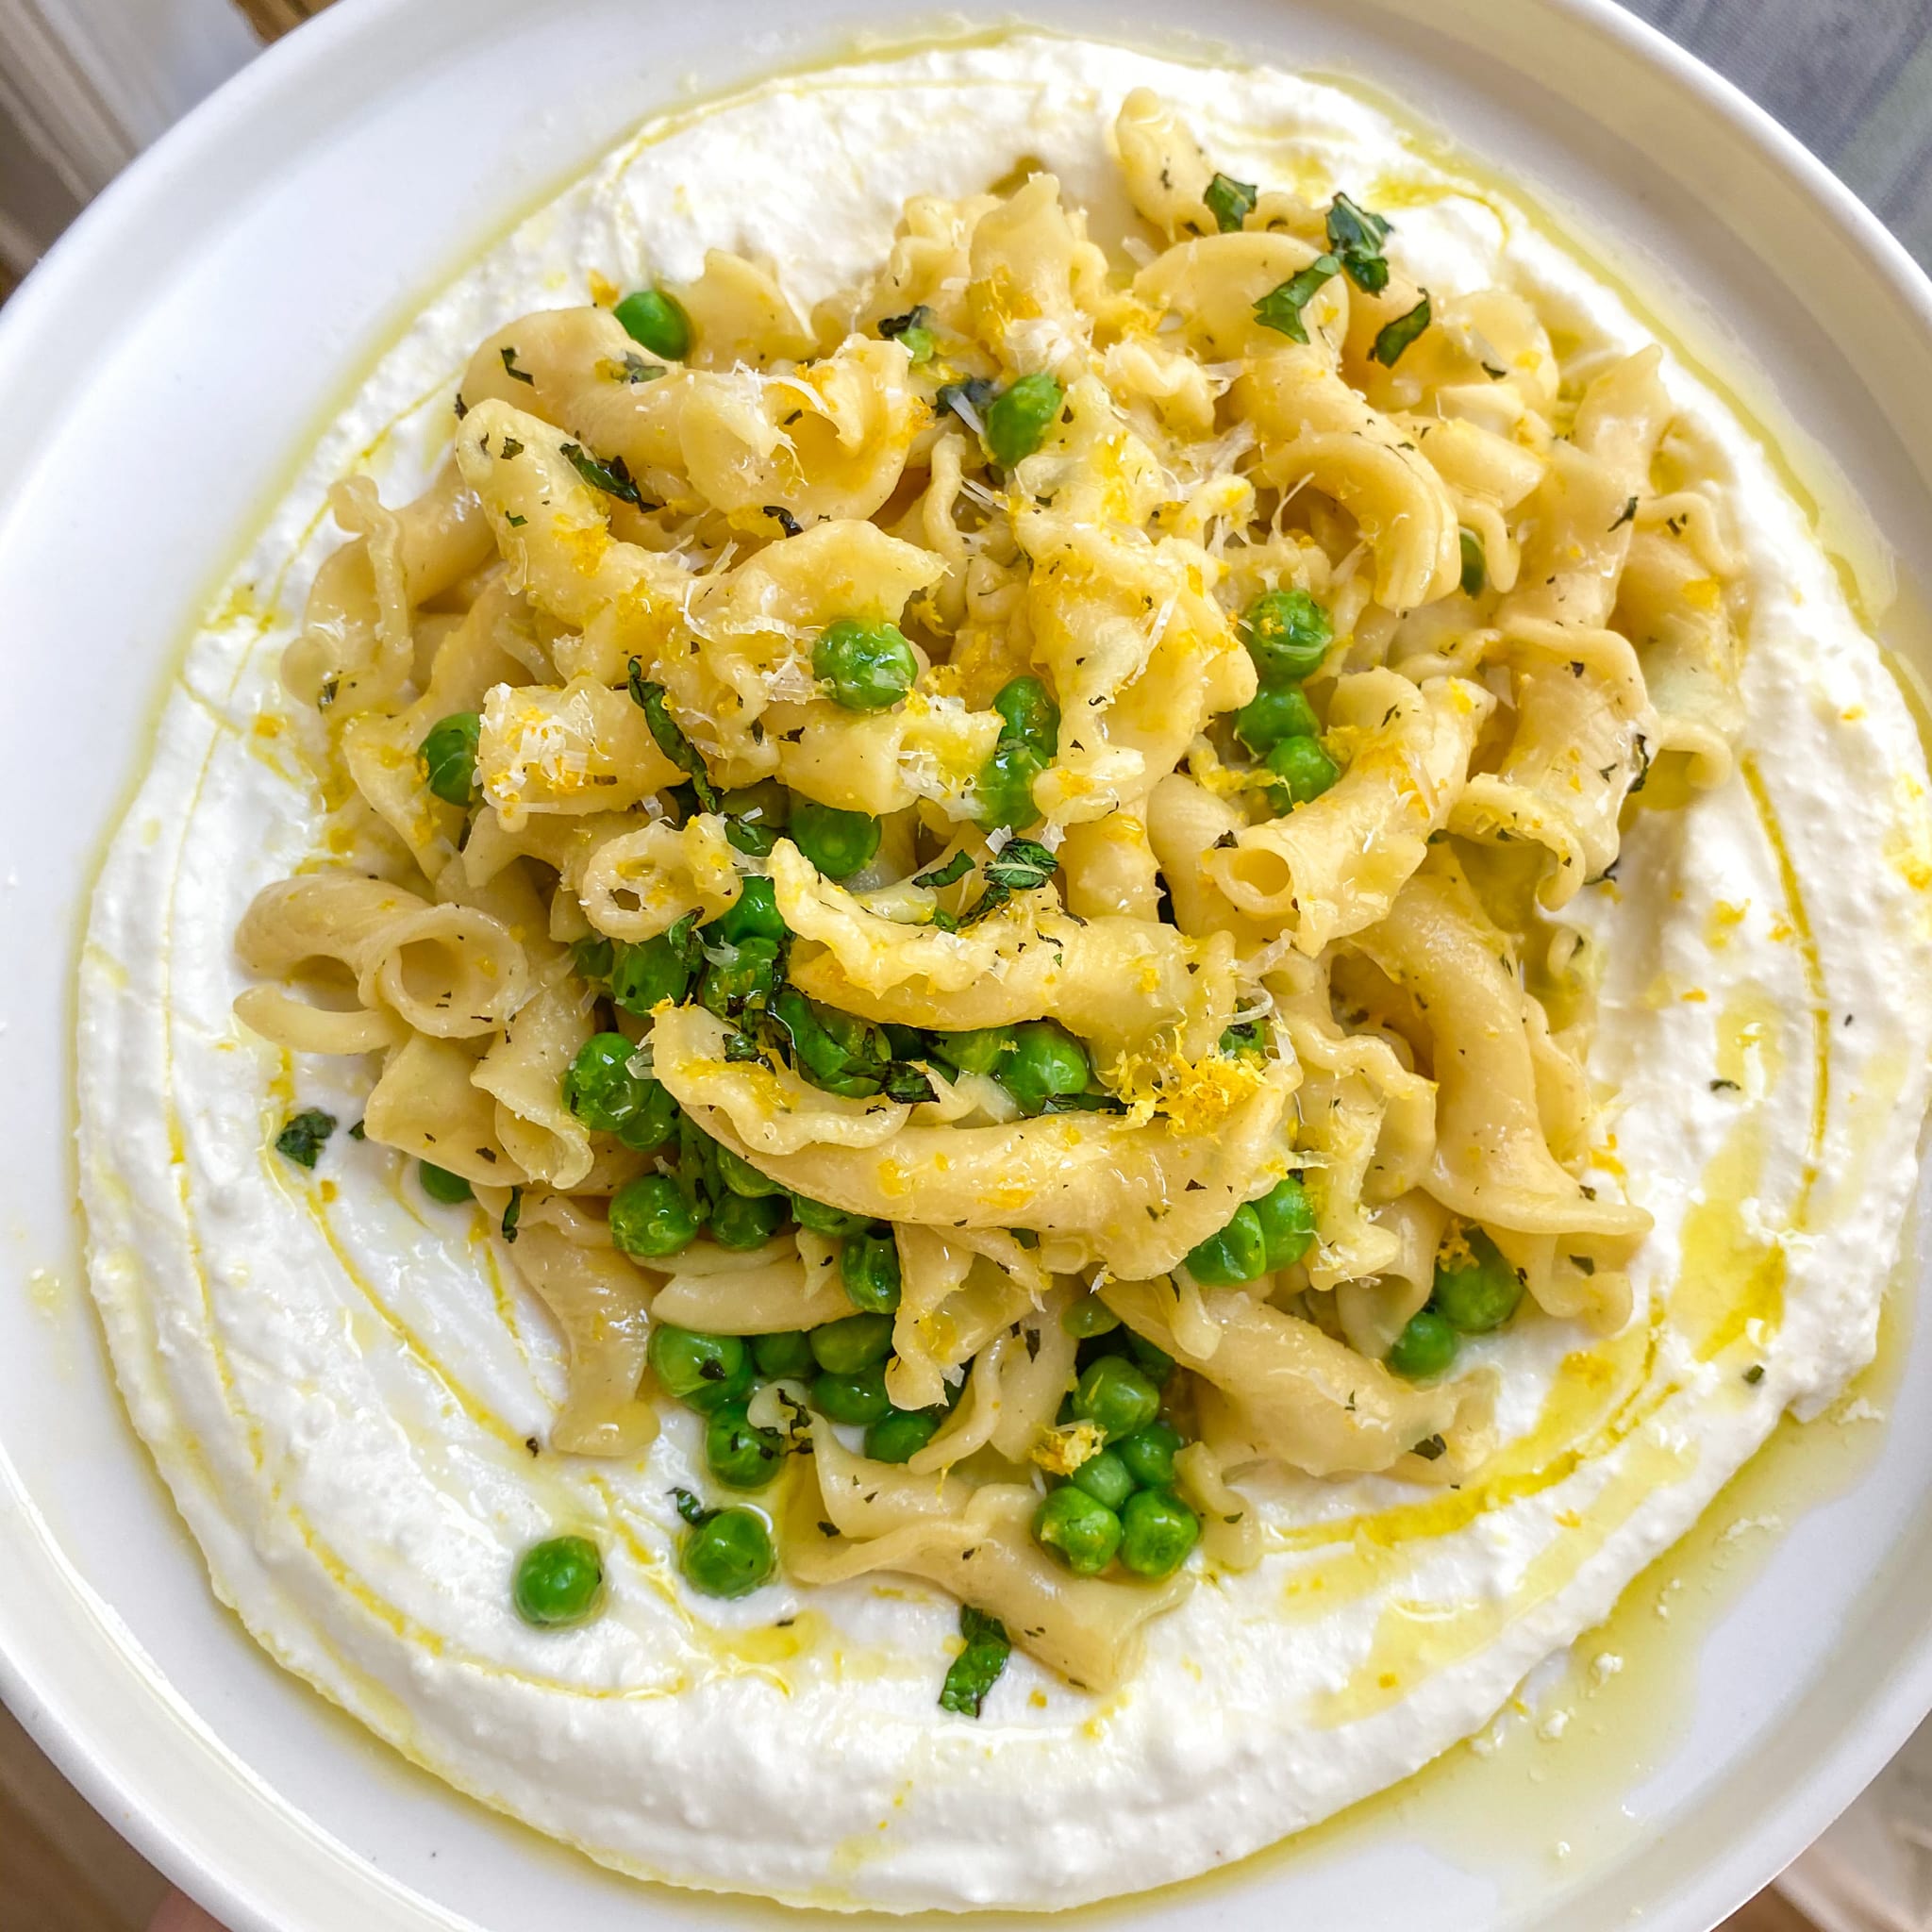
pixel 1316 429
pixel 1285 1392
pixel 1214 283
pixel 1134 1197
pixel 425 1103
pixel 1120 984
pixel 601 1303
pixel 738 314
pixel 828 440
pixel 1492 1163
pixel 581 748
pixel 1185 822
pixel 299 1027
pixel 754 1295
pixel 1585 729
pixel 1036 278
pixel 1161 165
pixel 1013 1393
pixel 1110 869
pixel 356 647
pixel 642 883
pixel 982 1551
pixel 742 642
pixel 1672 607
pixel 451 971
pixel 1230 1524
pixel 1333 865
pixel 523 1074
pixel 1375 1312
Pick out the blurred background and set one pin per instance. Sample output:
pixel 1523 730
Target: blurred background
pixel 86 85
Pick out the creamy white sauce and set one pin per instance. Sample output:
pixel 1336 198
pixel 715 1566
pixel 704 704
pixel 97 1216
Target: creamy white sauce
pixel 337 1381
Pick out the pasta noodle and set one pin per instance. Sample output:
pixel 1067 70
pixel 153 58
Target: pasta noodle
pixel 1006 840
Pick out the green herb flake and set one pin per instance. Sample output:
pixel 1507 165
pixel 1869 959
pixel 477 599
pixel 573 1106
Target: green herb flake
pixel 635 369
pixel 1281 307
pixel 1355 238
pixel 1475 569
pixel 612 478
pixel 1755 1374
pixel 1390 341
pixel 512 1214
pixel 651 699
pixel 949 874
pixel 511 369
pixel 1430 1447
pixel 516 522
pixel 1629 515
pixel 690 1509
pixel 1230 201
pixel 356 1133
pixel 301 1139
pixel 974 1672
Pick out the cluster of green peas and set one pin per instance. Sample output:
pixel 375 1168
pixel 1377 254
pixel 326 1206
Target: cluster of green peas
pixel 1120 1503
pixel 1474 1291
pixel 1287 634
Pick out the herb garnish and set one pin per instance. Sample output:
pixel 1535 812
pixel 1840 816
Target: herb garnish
pixel 1230 201
pixel 975 392
pixel 1281 307
pixel 1629 514
pixel 301 1138
pixel 512 1214
pixel 1430 1447
pixel 651 700
pixel 1355 238
pixel 613 478
pixel 1399 334
pixel 1020 866
pixel 977 1668
pixel 511 369
pixel 692 1509
pixel 949 874
pixel 784 518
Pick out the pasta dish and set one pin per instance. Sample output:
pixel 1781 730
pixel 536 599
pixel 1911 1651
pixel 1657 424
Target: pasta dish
pixel 1002 892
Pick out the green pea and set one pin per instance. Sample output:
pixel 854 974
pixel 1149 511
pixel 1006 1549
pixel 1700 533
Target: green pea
pixel 741 1178
pixel 1306 772
pixel 754 817
pixel 600 1088
pixel 739 978
pixel 1045 1061
pixel 743 1221
pixel 1106 1477
pixel 788 1354
pixel 1475 568
pixel 850 1343
pixel 1115 1394
pixel 442 1185
pixel 1424 1349
pixel 1149 1454
pixel 1275 711
pixel 977 1052
pixel 864 667
pixel 1288 634
pixel 817 1218
pixel 739 1456
pixel 654 1123
pixel 1080 1529
pixel 642 977
pixel 1475 1289
pixel 1005 787
pixel 1153 1359
pixel 1018 417
pixel 838 843
pixel 1239 1253
pixel 1158 1530
pixel 1032 717
pixel 900 1436
pixel 558 1582
pixel 657 321
pixel 858 1398
pixel 650 1216
pixel 753 915
pixel 727 1555
pixel 697 1367
pixel 1288 1222
pixel 869 1267
pixel 449 756
pixel 1090 1315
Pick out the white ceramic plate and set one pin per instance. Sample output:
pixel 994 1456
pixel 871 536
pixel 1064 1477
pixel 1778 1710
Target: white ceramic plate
pixel 162 372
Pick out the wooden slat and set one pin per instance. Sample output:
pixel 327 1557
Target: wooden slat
pixel 272 18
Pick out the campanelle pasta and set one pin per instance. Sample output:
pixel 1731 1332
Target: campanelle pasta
pixel 1033 804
